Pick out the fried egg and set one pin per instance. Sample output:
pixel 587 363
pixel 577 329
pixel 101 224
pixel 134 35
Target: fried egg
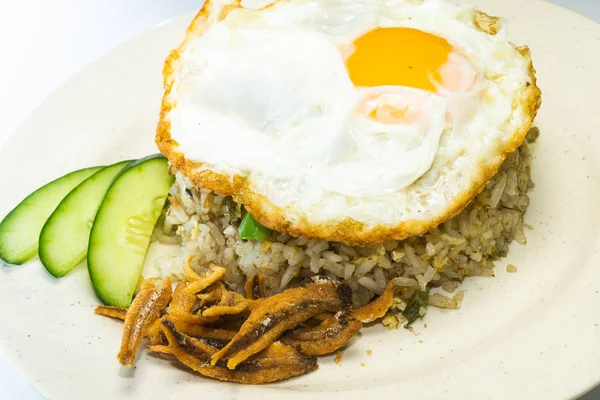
pixel 357 121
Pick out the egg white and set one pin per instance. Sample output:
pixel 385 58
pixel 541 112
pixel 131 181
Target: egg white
pixel 264 96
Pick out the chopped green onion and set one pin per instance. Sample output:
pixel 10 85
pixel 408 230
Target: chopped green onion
pixel 251 229
pixel 412 312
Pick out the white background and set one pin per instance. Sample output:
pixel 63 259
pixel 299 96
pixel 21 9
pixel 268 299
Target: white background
pixel 44 42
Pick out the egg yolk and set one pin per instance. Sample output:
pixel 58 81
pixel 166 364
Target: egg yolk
pixel 398 56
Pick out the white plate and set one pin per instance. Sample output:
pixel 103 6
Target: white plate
pixel 531 334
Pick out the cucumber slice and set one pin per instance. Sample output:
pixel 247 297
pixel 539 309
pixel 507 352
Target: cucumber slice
pixel 121 231
pixel 20 229
pixel 64 238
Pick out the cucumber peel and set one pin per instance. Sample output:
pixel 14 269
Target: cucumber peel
pixel 20 229
pixel 64 238
pixel 122 228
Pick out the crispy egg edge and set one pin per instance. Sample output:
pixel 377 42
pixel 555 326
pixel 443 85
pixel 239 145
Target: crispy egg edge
pixel 349 230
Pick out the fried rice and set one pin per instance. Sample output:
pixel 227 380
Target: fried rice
pixel 205 224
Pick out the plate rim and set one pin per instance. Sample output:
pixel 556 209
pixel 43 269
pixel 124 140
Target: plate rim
pixel 8 142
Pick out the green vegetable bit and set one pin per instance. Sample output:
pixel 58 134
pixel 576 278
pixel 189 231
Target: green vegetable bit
pixel 251 229
pixel 412 312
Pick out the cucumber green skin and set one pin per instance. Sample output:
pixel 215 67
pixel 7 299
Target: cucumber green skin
pixel 121 231
pixel 20 229
pixel 64 239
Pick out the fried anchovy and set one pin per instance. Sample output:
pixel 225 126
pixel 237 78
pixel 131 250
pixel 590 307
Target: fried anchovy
pixel 193 319
pixel 159 348
pixel 182 302
pixel 153 331
pixel 377 308
pixel 113 312
pixel 255 287
pixel 146 307
pixel 202 331
pixel 221 301
pixel 198 283
pixel 331 335
pixel 277 362
pixel 276 314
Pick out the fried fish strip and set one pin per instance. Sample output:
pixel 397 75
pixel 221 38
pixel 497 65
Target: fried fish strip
pixel 255 287
pixel 198 283
pixel 229 322
pixel 192 318
pixel 231 303
pixel 182 302
pixel 377 308
pixel 331 335
pixel 279 313
pixel 154 332
pixel 189 273
pixel 212 295
pixel 219 310
pixel 252 304
pixel 199 331
pixel 317 319
pixel 112 312
pixel 276 363
pixel 158 348
pixel 146 307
